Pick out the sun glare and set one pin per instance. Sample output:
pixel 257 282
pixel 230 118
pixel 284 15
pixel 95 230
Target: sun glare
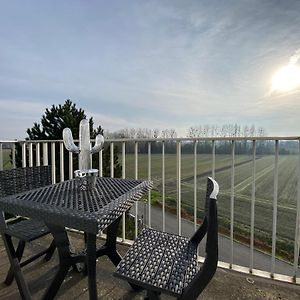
pixel 286 79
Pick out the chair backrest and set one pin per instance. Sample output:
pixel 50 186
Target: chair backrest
pixel 209 227
pixel 19 180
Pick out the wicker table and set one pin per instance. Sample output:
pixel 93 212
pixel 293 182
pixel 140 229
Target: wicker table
pixel 63 205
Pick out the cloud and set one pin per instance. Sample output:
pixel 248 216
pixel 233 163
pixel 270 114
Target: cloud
pixel 113 123
pixel 295 57
pixel 18 115
pixel 21 108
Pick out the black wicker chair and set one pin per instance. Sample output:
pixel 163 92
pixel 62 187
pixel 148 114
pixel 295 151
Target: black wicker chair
pixel 25 230
pixel 164 262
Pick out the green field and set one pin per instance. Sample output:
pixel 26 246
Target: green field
pixel 264 192
pixel 6 159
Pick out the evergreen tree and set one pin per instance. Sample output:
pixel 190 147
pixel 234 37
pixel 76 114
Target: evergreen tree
pixel 51 127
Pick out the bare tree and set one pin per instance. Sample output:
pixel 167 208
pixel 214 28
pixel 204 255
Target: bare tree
pixel 226 130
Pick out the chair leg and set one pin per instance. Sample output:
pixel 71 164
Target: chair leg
pixel 19 253
pixel 56 283
pixel 50 251
pixel 151 295
pixel 14 262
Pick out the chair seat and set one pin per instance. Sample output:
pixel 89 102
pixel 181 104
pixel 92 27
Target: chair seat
pixel 160 261
pixel 27 230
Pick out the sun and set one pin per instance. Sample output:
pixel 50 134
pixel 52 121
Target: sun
pixel 286 79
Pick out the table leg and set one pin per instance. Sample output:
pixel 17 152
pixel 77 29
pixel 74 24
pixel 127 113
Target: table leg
pixel 110 246
pixel 91 264
pixel 15 264
pixel 65 261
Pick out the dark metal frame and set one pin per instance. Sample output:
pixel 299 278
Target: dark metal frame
pixel 88 256
pixel 12 182
pixel 64 205
pixel 162 262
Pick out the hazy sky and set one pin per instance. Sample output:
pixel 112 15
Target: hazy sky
pixel 156 64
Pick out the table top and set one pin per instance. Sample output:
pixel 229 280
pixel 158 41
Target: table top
pixel 66 205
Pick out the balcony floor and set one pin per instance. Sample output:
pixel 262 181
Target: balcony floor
pixel 225 285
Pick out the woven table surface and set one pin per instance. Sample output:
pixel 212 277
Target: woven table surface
pixel 66 205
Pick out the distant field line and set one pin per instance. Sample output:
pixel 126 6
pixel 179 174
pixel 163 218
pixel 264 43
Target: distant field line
pixel 257 200
pixel 225 168
pixel 240 196
pixel 206 173
pixel 248 181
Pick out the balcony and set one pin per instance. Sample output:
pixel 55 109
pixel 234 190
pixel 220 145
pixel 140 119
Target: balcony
pixel 259 206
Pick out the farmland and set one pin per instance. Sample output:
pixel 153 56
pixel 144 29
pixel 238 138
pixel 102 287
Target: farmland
pixel 264 191
pixel 6 159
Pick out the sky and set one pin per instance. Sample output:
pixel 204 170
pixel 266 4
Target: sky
pixel 149 64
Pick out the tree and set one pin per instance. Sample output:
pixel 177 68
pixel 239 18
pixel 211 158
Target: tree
pixel 51 127
pixel 231 131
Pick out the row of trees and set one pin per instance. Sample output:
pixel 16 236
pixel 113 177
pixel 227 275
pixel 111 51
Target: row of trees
pixel 227 130
pixel 201 131
pixel 142 133
pixel 68 115
pixel 205 131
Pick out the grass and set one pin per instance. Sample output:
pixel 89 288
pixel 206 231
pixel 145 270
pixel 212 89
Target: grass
pixel 6 159
pixel 264 192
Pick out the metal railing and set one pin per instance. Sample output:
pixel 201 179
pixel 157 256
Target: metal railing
pixel 47 152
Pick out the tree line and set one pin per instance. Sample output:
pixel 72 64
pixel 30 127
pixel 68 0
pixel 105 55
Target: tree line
pixel 202 131
pixel 56 118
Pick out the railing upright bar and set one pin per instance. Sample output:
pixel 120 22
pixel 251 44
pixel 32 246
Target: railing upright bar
pixel 136 176
pixel 45 154
pixel 23 155
pixel 101 163
pixel 213 168
pixel 70 165
pixel 297 229
pixel 123 176
pixel 179 186
pixel 123 160
pixel 38 154
pixel 149 178
pixel 252 205
pixel 1 157
pixel 30 155
pixel 112 160
pixel 53 163
pixel 14 155
pixel 61 162
pixel 195 185
pixel 232 202
pixel 163 187
pixel 275 200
